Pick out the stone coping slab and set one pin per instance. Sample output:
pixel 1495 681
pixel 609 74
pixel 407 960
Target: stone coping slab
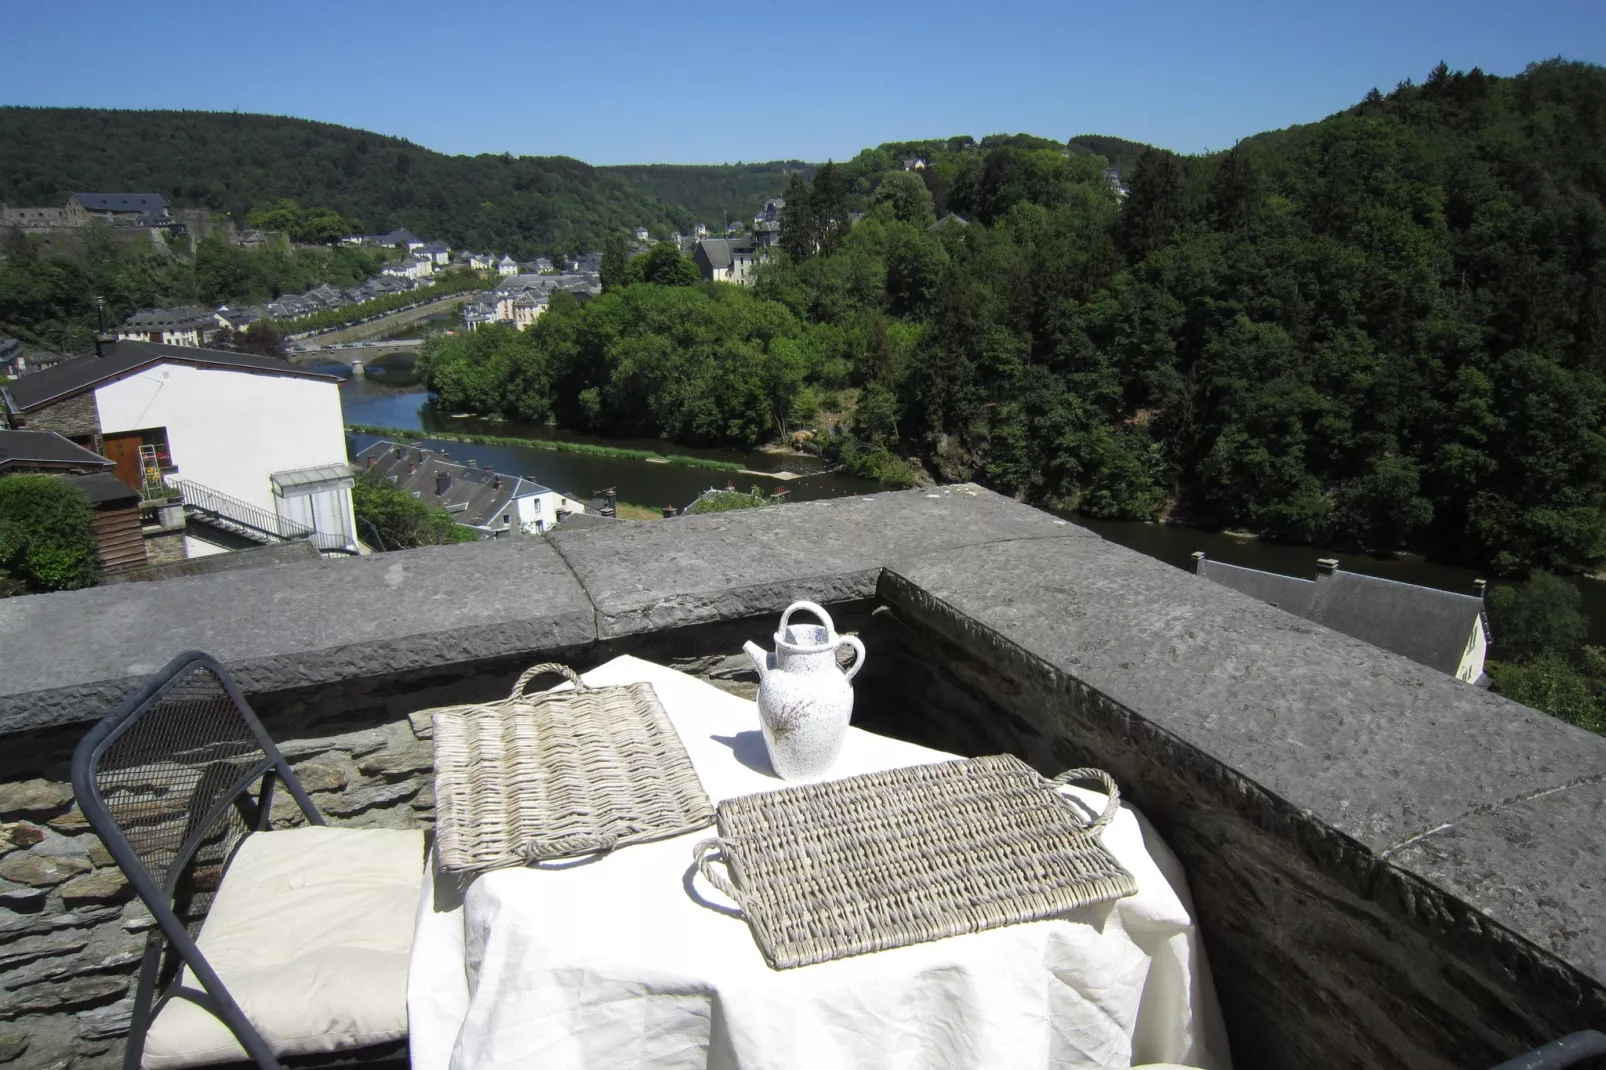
pixel 72 656
pixel 718 566
pixel 1490 801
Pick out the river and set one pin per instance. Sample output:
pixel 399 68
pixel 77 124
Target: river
pixel 389 397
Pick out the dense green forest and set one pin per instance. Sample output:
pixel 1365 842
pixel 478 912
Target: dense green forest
pixel 1383 330
pixel 233 163
pixel 713 193
pixel 49 299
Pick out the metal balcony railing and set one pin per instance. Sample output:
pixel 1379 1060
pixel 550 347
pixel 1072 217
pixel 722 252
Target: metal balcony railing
pixel 249 520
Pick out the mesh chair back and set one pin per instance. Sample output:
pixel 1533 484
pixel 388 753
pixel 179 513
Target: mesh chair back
pixel 172 772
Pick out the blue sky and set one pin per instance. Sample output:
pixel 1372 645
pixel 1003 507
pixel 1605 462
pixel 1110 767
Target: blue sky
pixel 629 82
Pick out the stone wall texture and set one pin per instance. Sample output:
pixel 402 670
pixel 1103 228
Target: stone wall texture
pixel 1391 868
pixel 76 415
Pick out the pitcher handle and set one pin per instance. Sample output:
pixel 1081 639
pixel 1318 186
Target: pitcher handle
pixel 853 641
pixel 825 618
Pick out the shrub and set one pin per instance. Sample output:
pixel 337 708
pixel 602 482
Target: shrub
pixel 1543 616
pixel 392 519
pixel 47 535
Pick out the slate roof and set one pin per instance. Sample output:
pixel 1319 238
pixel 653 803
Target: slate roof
pixel 123 358
pixel 183 317
pixel 142 203
pixel 45 449
pixel 397 237
pixel 1430 626
pixel 722 252
pixel 1289 593
pixel 473 496
pixel 104 488
pixel 949 220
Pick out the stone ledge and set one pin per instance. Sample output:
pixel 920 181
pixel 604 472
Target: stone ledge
pixel 73 656
pixel 721 566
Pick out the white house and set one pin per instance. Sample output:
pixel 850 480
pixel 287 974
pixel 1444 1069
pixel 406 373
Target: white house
pixel 726 259
pixel 481 261
pixel 641 234
pixel 507 266
pixel 438 252
pixel 490 503
pixel 253 442
pixel 188 325
pixel 414 267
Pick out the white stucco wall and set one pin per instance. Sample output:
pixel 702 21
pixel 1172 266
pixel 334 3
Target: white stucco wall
pixel 1472 660
pixel 230 430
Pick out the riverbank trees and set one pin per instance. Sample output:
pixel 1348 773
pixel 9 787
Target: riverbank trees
pixel 1382 331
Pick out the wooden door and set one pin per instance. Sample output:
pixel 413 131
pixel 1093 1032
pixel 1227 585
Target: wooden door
pixel 124 451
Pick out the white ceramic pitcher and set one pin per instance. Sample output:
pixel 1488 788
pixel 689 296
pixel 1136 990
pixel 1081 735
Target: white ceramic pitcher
pixel 804 698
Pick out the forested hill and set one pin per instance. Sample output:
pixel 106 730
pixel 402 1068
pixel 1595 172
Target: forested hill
pixel 713 193
pixel 231 162
pixel 1385 330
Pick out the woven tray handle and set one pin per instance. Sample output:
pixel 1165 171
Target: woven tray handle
pixel 709 851
pixel 1108 782
pixel 541 670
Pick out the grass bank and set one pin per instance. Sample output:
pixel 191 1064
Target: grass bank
pixel 401 435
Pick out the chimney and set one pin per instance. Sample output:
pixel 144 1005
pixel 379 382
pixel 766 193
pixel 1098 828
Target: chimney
pixel 1480 587
pixel 472 463
pixel 443 480
pixel 669 511
pixel 412 466
pixel 496 482
pixel 371 460
pixel 399 451
pixel 1326 566
pixel 1198 562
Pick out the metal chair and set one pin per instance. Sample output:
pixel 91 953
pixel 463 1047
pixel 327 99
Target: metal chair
pixel 173 781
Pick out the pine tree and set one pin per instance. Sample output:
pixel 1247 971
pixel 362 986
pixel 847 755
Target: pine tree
pixel 829 199
pixel 798 237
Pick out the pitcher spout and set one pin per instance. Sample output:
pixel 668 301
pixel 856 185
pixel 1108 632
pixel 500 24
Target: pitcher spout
pixel 761 658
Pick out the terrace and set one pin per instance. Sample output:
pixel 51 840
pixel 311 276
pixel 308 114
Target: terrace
pixel 1390 868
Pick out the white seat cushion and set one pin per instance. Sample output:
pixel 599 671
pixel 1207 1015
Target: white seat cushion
pixel 311 933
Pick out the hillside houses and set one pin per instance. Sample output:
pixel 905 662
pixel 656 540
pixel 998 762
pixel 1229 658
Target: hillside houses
pixel 522 299
pixel 767 223
pixel 187 325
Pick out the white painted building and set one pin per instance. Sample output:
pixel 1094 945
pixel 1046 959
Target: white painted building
pixel 248 437
pixel 414 267
pixel 507 266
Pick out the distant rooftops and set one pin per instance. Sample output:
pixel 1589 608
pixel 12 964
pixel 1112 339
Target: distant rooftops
pixel 184 317
pixel 476 497
pixel 1441 629
pixel 135 203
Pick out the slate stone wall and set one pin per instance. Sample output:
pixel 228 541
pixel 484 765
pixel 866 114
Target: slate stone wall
pixel 75 416
pixel 1321 955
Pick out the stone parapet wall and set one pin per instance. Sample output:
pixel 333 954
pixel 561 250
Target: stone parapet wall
pixel 1392 868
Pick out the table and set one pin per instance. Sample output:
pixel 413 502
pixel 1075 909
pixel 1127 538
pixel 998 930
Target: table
pixel 632 960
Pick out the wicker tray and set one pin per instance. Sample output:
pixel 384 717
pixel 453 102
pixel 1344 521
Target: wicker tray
pixel 900 857
pixel 559 774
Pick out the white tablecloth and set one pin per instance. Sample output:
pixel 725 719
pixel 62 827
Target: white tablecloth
pixel 620 962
